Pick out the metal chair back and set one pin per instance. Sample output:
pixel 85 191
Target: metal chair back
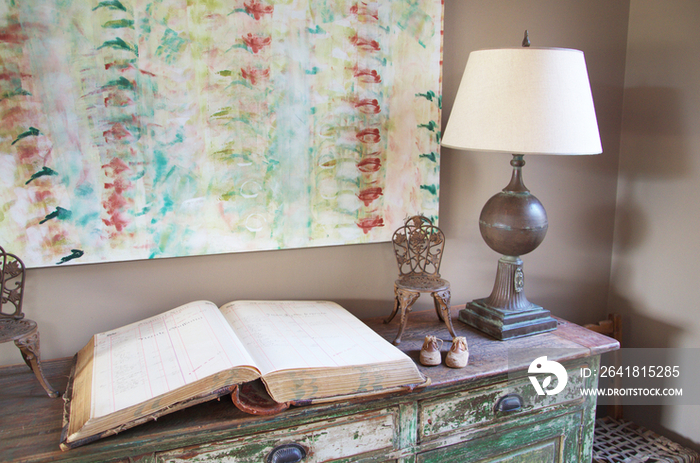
pixel 11 286
pixel 418 246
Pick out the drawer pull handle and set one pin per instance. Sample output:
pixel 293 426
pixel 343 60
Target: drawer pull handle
pixel 509 403
pixel 287 453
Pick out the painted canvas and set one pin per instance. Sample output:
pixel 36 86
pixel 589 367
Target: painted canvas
pixel 140 129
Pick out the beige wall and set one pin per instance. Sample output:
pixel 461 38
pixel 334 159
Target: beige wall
pixel 655 273
pixel 568 274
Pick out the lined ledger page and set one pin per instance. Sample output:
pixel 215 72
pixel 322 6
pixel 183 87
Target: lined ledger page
pixel 143 360
pixel 282 335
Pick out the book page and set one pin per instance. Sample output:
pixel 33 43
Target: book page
pixel 151 357
pixel 282 335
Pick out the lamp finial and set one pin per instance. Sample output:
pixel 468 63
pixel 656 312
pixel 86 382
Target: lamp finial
pixel 526 39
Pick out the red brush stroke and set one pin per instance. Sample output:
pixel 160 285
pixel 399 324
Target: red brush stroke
pixel 59 238
pixel 368 76
pixel 118 98
pixel 369 165
pixel 13 34
pixel 18 115
pixel 117 165
pixel 14 75
pixel 256 42
pixel 365 44
pixel 257 9
pixel 369 194
pixel 254 74
pixel 33 151
pixel 116 133
pixel 120 185
pixel 41 196
pixel 115 202
pixel 368 136
pixel 368 106
pixel 127 67
pixel 369 223
pixel 117 220
pixel 362 10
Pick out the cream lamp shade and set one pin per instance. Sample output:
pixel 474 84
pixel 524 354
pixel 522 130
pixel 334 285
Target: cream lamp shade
pixel 525 101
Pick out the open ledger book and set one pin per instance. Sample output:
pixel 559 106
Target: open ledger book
pixel 301 350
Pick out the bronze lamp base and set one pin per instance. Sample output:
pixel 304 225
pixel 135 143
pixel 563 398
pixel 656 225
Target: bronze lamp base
pixel 507 313
pixel 512 223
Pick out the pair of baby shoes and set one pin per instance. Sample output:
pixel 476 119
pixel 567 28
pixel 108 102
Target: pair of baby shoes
pixel 457 357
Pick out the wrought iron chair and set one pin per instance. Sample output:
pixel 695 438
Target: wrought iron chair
pixel 418 246
pixel 13 325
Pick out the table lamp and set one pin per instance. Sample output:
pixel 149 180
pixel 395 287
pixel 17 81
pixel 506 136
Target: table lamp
pixel 519 101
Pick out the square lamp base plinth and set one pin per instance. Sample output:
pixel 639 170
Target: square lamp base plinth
pixel 507 324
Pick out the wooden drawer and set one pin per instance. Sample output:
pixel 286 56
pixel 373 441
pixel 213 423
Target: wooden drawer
pixel 478 407
pixel 369 436
pixel 556 440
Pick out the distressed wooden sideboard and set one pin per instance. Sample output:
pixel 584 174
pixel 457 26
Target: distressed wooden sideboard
pixel 488 411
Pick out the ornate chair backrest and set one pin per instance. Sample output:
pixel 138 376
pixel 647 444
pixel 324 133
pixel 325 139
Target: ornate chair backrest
pixel 11 285
pixel 418 246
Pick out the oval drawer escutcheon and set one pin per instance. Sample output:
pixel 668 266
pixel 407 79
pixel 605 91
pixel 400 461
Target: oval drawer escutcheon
pixel 287 453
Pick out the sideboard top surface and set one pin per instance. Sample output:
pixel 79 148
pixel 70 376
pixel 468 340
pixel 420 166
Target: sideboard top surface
pixel 30 422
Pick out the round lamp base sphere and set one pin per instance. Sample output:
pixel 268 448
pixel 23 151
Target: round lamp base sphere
pixel 513 223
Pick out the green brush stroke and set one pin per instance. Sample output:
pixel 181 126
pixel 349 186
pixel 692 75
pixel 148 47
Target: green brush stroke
pixel 171 46
pixel 111 4
pixel 43 172
pixel 430 96
pixel 432 126
pixel 430 188
pixel 119 23
pixel 31 132
pixel 122 82
pixel 432 156
pixel 59 214
pixel 74 254
pixel 119 44
pixel 244 83
pixel 238 45
pixel 15 92
pixel 317 30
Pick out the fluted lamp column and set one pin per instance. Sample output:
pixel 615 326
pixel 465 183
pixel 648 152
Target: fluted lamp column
pixel 520 101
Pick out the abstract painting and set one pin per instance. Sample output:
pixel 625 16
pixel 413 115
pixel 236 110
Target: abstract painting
pixel 141 129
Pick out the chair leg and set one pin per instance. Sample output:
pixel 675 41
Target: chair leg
pixel 442 307
pixel 396 307
pixel 29 347
pixel 405 299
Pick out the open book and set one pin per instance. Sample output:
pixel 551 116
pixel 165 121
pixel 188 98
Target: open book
pixel 301 350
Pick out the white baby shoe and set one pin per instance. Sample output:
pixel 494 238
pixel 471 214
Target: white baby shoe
pixel 458 356
pixel 430 352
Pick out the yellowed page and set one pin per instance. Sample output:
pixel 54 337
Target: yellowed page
pixel 283 335
pixel 152 357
